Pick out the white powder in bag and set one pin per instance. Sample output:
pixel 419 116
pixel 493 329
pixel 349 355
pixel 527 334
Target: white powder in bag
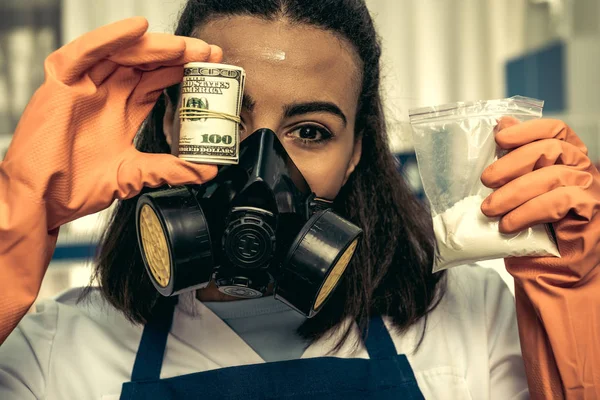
pixel 465 235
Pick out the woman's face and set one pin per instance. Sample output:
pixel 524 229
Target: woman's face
pixel 303 83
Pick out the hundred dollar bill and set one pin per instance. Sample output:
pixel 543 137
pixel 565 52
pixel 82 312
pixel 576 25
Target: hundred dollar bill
pixel 209 110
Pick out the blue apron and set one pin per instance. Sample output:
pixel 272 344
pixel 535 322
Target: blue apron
pixel 386 375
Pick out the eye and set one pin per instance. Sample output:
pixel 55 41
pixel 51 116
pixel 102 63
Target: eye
pixel 311 134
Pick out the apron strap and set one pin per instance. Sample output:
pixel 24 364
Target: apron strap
pixel 149 358
pixel 378 341
pixel 150 354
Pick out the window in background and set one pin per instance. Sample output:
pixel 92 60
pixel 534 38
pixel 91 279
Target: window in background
pixel 29 31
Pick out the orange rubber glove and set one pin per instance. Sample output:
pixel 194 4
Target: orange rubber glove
pixel 73 154
pixel 548 178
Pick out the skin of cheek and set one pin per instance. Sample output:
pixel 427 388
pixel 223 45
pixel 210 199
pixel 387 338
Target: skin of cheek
pixel 326 172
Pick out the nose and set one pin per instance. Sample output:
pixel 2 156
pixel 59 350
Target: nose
pixel 260 141
pixel 258 123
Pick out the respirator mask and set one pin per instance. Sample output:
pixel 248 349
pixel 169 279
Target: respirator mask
pixel 257 226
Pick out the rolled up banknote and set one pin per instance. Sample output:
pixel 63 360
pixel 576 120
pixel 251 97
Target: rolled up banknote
pixel 209 111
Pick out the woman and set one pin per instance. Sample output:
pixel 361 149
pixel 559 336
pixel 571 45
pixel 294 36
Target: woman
pixel 451 335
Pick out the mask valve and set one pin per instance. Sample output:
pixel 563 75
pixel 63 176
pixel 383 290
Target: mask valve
pixel 249 240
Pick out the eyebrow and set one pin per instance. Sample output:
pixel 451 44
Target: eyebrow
pixel 295 109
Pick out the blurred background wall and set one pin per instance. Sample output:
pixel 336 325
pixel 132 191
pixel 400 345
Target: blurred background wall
pixel 435 51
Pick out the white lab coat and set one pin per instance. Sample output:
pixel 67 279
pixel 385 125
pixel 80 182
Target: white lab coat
pixel 86 351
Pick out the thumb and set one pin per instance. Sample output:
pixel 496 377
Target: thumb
pixel 506 122
pixel 216 54
pixel 154 170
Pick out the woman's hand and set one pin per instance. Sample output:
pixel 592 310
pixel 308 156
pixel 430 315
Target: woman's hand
pixel 547 177
pixel 73 153
pixel 73 148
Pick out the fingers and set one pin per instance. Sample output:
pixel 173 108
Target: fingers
pixel 197 50
pixel 125 43
pixel 154 170
pixel 546 176
pixel 149 49
pixel 532 185
pixel 153 83
pixel 155 50
pixel 216 54
pixel 102 70
pixel 533 156
pixel 69 62
pixel 548 208
pixel 506 122
pixel 520 134
pixel 168 169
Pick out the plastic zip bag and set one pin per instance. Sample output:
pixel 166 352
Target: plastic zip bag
pixel 454 144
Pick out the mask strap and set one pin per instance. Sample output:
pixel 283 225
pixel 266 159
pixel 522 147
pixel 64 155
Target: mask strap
pixel 315 204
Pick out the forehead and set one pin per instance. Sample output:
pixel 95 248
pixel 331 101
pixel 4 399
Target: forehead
pixel 297 59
